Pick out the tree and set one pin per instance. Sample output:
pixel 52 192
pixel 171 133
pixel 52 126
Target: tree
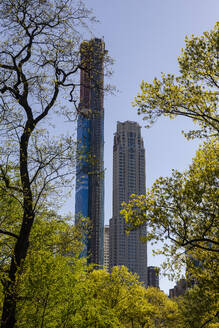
pixel 118 299
pixel 199 302
pixel 182 212
pixel 193 94
pixel 39 61
pixel 47 290
pixel 48 287
pixel 57 287
pixel 182 208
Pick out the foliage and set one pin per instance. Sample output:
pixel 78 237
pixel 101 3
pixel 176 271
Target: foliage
pixel 49 275
pixel 199 302
pixel 46 289
pixel 39 65
pixel 193 94
pixel 182 208
pixel 119 300
pixel 182 211
pixel 58 289
pixel 10 211
pixel 201 297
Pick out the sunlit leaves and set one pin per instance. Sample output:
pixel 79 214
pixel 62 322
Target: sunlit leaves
pixel 193 94
pixel 200 302
pixel 183 207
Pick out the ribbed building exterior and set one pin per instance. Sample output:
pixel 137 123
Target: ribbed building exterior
pixel 89 200
pixel 106 247
pixel 153 277
pixel 128 178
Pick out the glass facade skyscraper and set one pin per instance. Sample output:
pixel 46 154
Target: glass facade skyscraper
pixel 89 197
pixel 128 178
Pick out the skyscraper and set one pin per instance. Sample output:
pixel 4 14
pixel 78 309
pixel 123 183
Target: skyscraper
pixel 128 178
pixel 89 198
pixel 153 276
pixel 106 247
pixel 179 289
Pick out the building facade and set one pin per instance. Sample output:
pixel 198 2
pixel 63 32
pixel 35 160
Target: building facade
pixel 106 247
pixel 89 196
pixel 153 277
pixel 128 178
pixel 179 289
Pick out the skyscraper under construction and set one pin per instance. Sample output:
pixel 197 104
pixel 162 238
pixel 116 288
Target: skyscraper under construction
pixel 89 196
pixel 128 178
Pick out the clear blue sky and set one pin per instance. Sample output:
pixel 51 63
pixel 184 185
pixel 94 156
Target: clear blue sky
pixel 145 37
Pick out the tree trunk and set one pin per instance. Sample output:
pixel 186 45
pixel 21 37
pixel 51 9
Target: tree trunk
pixel 10 290
pixel 22 243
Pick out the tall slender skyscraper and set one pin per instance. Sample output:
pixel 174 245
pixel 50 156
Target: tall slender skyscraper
pixel 128 178
pixel 89 200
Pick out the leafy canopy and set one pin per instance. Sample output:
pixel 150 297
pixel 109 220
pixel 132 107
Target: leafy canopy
pixel 193 94
pixel 39 71
pixel 182 208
